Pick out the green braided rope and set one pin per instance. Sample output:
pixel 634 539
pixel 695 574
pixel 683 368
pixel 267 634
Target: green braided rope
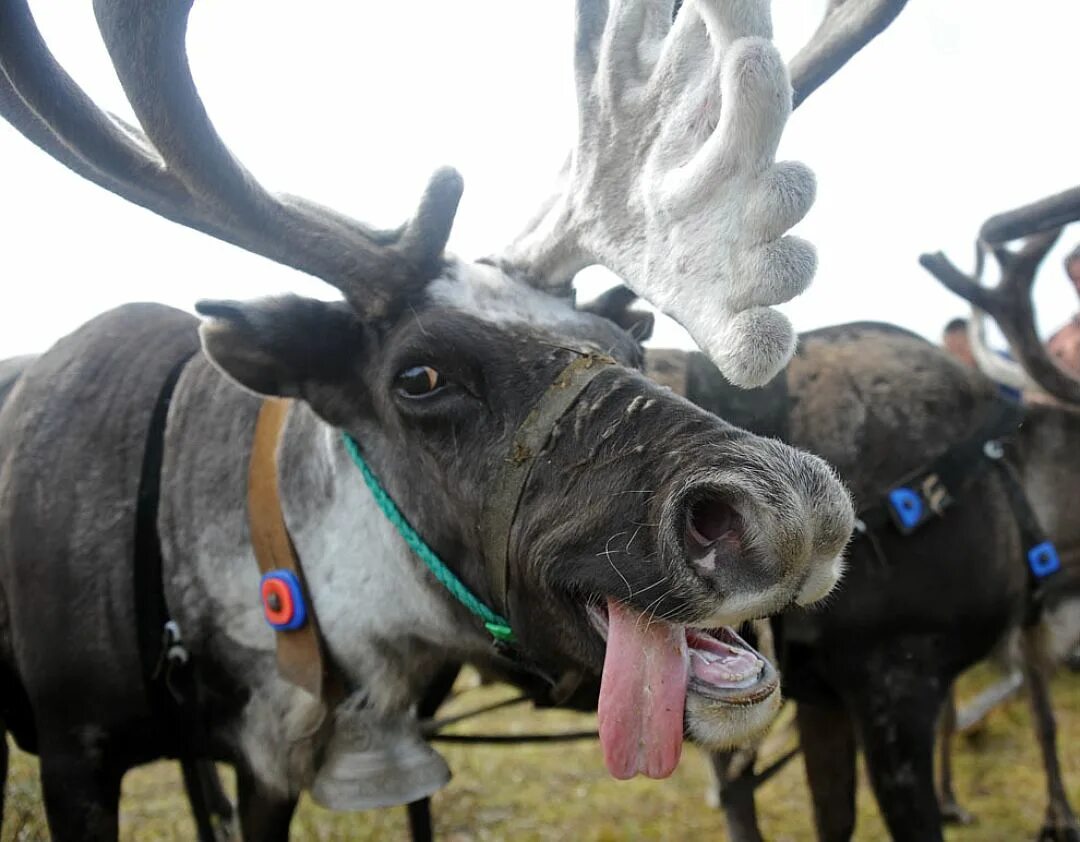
pixel 498 627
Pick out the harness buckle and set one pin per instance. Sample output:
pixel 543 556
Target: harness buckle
pixel 1043 560
pixel 172 643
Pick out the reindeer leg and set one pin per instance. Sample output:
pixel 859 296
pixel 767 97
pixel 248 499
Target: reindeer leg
pixel 895 711
pixel 951 811
pixel 213 812
pixel 81 792
pixel 733 776
pixel 1061 824
pixel 828 746
pixel 264 815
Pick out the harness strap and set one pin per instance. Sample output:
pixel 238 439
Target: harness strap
pixel 301 654
pixel 1039 553
pixel 528 442
pixel 930 490
pixel 167 669
pixel 151 611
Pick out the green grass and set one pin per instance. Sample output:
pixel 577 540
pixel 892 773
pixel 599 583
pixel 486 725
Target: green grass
pixel 561 792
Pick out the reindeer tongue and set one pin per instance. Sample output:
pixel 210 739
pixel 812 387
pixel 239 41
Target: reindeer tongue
pixel 642 694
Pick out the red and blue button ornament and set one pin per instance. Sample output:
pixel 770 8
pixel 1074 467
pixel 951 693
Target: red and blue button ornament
pixel 283 600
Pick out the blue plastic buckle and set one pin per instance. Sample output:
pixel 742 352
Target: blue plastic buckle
pixel 1043 560
pixel 907 508
pixel 283 600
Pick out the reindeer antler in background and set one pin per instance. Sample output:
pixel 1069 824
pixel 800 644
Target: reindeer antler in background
pixel 673 183
pixel 1009 303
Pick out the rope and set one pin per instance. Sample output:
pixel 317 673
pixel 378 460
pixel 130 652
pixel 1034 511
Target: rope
pixel 515 739
pixel 498 627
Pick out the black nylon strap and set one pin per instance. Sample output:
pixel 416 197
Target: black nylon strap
pixel 951 472
pixel 170 685
pixel 527 443
pixel 151 612
pixel 1032 535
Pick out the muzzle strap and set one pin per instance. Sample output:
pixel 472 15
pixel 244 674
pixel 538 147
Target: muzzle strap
pixel 509 485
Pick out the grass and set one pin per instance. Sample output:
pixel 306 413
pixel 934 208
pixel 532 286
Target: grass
pixel 561 792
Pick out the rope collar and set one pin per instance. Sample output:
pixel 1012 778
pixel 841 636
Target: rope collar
pixel 496 624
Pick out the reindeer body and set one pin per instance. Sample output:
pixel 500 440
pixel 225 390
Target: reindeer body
pixel 873 665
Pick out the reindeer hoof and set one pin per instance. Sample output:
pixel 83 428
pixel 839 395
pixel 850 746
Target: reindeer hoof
pixel 1060 833
pixel 955 814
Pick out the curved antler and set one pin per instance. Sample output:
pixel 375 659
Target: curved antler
pixel 848 26
pixel 1009 303
pixel 673 183
pixel 178 166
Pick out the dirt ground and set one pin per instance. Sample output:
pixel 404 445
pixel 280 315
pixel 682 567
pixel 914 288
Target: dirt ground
pixel 561 792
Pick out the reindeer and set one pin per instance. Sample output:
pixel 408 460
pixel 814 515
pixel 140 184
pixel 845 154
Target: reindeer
pixel 1043 448
pixel 436 468
pixel 873 666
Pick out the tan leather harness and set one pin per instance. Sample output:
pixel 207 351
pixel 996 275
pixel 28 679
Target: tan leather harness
pixel 301 653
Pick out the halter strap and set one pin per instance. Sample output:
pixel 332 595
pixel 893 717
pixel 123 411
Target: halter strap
pixel 504 497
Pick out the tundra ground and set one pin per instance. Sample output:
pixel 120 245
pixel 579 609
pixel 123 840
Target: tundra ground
pixel 562 792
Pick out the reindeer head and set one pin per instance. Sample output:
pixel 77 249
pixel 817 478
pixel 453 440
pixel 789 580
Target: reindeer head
pixel 637 528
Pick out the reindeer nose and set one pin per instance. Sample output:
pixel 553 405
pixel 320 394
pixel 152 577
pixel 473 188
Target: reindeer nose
pixel 830 505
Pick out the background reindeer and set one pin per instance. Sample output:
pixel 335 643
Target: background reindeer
pixel 873 666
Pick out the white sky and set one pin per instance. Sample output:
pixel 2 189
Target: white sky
pixel 961 109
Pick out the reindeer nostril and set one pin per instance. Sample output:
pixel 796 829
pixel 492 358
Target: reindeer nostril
pixel 710 519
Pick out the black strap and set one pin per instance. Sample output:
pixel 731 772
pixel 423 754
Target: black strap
pixel 151 612
pixel 929 491
pixel 933 489
pixel 167 671
pixel 1040 555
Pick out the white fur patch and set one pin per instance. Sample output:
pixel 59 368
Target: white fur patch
pixel 489 293
pixel 368 588
pixel 367 584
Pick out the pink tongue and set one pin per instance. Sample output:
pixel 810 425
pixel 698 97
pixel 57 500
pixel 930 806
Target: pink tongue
pixel 642 694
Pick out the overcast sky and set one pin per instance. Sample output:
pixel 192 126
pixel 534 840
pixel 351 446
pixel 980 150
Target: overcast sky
pixel 961 109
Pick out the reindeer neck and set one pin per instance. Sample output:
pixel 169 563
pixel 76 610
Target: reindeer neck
pixel 386 622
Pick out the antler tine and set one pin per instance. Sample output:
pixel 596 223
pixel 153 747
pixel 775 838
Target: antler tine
pixel 848 26
pixel 672 183
pixel 46 106
pixel 1010 305
pixel 1043 215
pixel 180 168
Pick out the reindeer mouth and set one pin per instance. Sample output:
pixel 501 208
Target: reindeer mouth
pixel 650 666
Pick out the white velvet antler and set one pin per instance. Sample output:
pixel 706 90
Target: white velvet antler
pixel 673 183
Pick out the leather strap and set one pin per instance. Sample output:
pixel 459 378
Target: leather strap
pixel 301 655
pixel 528 442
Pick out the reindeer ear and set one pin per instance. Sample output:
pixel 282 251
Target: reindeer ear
pixel 615 305
pixel 281 346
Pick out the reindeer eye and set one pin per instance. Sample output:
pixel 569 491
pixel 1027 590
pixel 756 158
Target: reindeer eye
pixel 419 381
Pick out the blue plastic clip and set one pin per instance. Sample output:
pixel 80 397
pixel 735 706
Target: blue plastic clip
pixel 283 600
pixel 1043 560
pixel 907 505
